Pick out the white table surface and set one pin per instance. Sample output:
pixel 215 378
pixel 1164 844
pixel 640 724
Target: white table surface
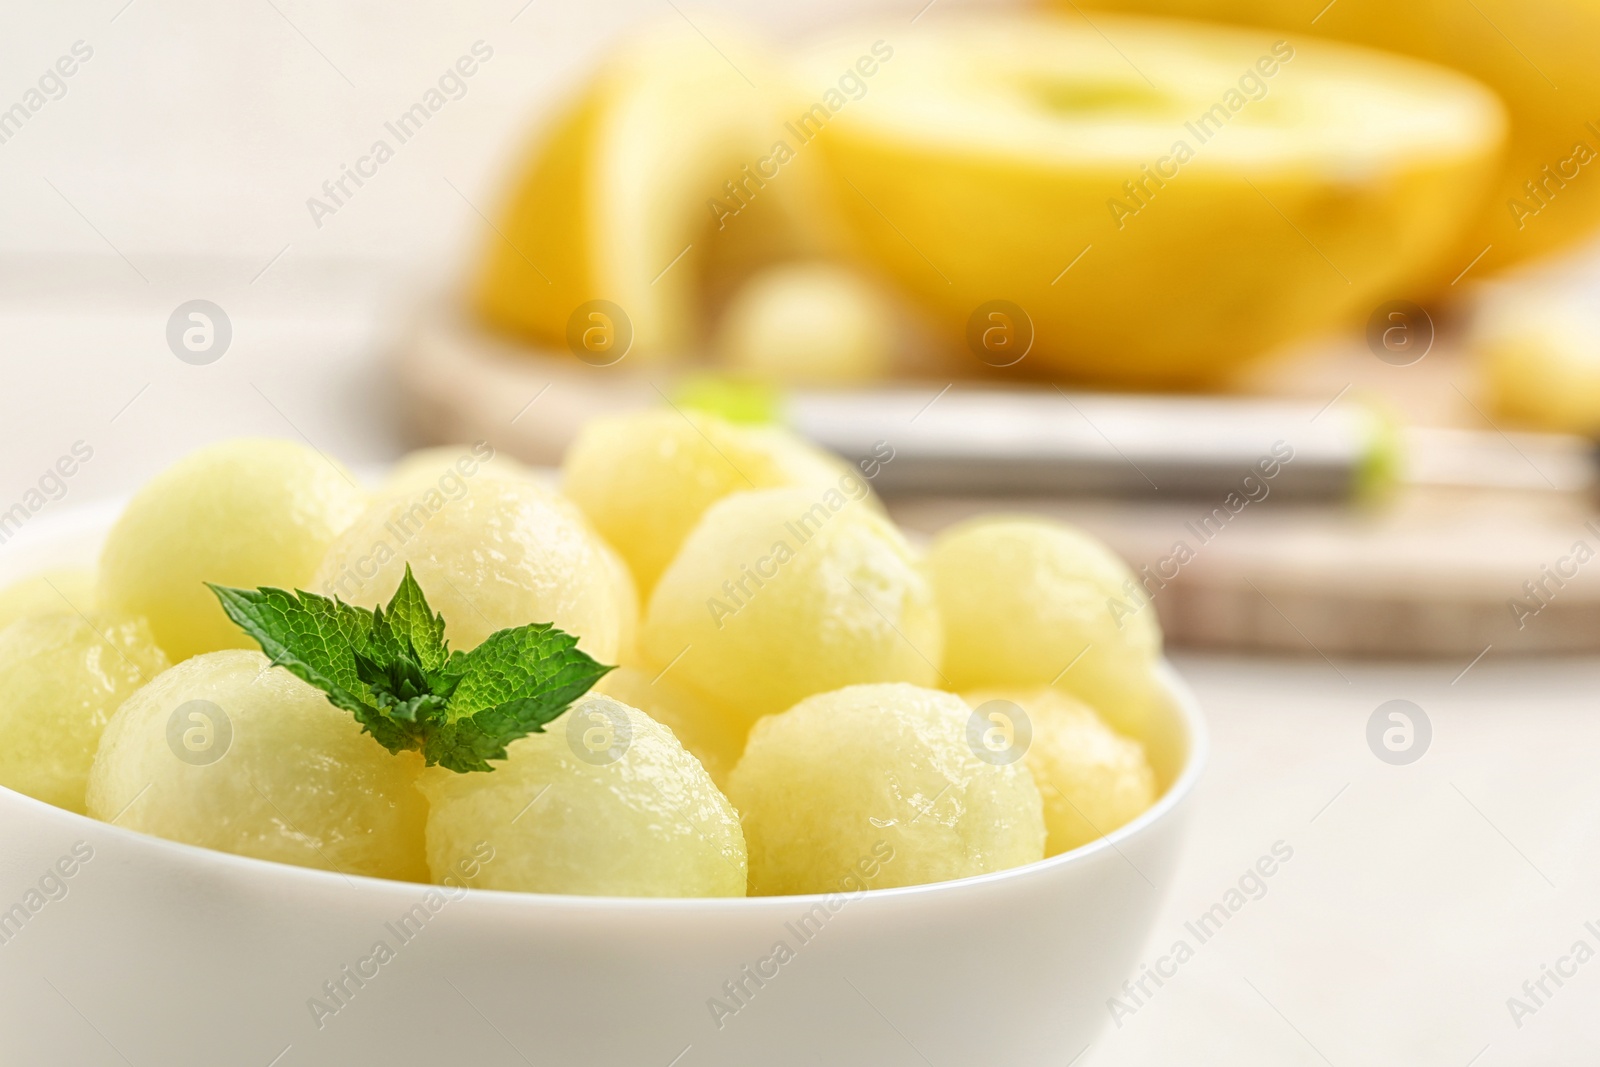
pixel 1419 898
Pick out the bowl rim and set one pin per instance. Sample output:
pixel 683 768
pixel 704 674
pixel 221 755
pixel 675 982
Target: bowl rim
pixel 1188 714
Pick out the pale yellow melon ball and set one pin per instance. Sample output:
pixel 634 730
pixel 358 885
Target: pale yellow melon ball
pixel 808 323
pixel 644 479
pixel 1028 602
pixel 241 513
pixel 878 785
pixel 66 591
pixel 1093 779
pixel 497 554
pixel 445 467
pixel 781 593
pixel 227 752
pixel 627 599
pixel 604 802
pixel 710 736
pixel 61 677
pixel 1538 354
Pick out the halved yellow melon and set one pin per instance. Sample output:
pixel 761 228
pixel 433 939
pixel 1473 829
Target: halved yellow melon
pixel 1153 201
pixel 666 166
pixel 1538 55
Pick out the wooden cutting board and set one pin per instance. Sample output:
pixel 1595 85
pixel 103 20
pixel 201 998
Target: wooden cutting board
pixel 1455 573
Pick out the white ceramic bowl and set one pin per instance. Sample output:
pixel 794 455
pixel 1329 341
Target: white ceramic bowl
pixel 153 952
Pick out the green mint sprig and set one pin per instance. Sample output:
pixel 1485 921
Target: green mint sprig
pixel 393 670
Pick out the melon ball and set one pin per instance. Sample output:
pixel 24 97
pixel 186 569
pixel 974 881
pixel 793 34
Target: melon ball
pixel 446 467
pixel 228 752
pixel 710 736
pixel 627 599
pixel 241 513
pixel 66 591
pixel 1538 357
pixel 644 479
pixel 1028 602
pixel 877 786
pixel 1092 779
pixel 782 593
pixel 808 323
pixel 61 678
pixel 604 802
pixel 494 555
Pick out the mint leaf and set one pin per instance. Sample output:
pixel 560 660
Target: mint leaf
pixel 414 626
pixel 316 639
pixel 392 669
pixel 508 687
pixel 310 635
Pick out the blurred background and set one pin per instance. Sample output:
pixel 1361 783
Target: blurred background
pixel 1296 306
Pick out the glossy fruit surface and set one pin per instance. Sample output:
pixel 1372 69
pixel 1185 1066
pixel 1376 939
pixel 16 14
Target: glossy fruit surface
pixel 64 591
pixel 61 678
pixel 229 753
pixel 497 554
pixel 604 802
pixel 1092 779
pixel 709 736
pixel 874 786
pixel 1030 603
pixel 644 479
pixel 781 593
pixel 242 513
pixel 444 467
